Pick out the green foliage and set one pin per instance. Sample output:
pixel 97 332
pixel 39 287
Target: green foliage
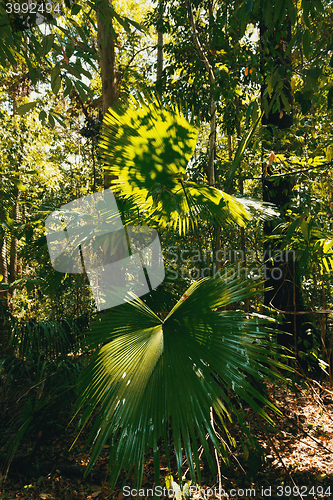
pixel 38 380
pixel 64 52
pixel 177 364
pixel 171 368
pixel 240 150
pixel 148 148
pixel 50 339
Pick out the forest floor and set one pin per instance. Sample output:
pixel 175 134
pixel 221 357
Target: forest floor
pixel 298 460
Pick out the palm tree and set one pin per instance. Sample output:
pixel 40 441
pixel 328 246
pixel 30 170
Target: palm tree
pixel 166 370
pixel 157 370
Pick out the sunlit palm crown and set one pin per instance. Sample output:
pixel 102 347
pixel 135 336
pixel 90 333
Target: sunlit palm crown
pixel 149 145
pixel 148 148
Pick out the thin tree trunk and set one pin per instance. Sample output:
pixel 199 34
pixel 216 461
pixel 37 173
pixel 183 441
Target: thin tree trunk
pixel 107 61
pixel 243 241
pixel 241 190
pixel 4 297
pixel 212 144
pixel 212 135
pixel 213 107
pixel 93 187
pixel 160 44
pixel 3 268
pixel 13 242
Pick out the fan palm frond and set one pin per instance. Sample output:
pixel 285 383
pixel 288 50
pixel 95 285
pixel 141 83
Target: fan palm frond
pixel 154 370
pixel 147 147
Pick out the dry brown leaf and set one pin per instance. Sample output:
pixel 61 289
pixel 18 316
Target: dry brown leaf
pixel 272 158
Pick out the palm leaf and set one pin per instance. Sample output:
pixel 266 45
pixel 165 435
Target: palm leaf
pixel 147 147
pixel 152 372
pixel 240 150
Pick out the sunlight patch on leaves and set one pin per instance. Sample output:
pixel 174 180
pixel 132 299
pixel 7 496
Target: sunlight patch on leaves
pixel 147 147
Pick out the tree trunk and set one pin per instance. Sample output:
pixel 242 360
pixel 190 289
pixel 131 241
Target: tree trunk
pixel 107 58
pixel 160 45
pixel 212 136
pixel 107 61
pixel 4 297
pixel 13 242
pixel 13 248
pixel 279 269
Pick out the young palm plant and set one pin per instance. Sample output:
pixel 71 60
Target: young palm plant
pixel 157 370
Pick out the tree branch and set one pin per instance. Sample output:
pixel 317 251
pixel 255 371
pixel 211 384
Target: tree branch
pixel 198 44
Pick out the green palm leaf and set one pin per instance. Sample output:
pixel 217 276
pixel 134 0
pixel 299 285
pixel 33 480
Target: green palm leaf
pixel 148 148
pixel 147 145
pixel 152 371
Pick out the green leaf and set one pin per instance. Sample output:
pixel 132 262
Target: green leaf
pixel 9 55
pixel 82 34
pixel 268 14
pixel 240 151
pixel 330 99
pixel 292 11
pixel 134 379
pixel 279 6
pixel 80 90
pixel 3 59
pixel 38 49
pixel 123 21
pixel 249 6
pixel 329 153
pixel 286 103
pixel 295 224
pixel 148 148
pixel 32 70
pixel 69 86
pixel 306 10
pixel 307 43
pixel 86 73
pixel 51 120
pixel 305 229
pixel 42 116
pixel 59 119
pixel 19 185
pixel 47 44
pixel 55 79
pixel 73 70
pixel 75 9
pixel 24 108
pixel 137 25
pixel 85 87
